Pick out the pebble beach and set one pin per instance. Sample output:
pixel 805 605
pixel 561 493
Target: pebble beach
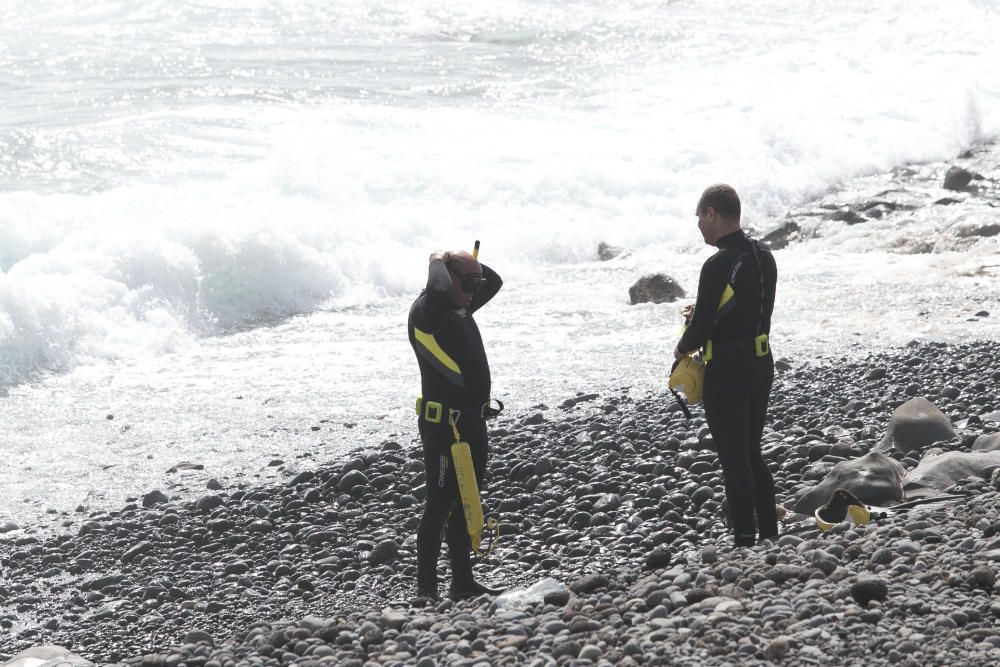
pixel 617 500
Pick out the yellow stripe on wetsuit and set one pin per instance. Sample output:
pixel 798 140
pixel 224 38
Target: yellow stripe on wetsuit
pixel 432 352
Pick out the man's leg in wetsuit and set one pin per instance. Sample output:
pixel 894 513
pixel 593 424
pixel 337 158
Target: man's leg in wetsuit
pixel 727 411
pixel 764 501
pixel 463 584
pixel 441 498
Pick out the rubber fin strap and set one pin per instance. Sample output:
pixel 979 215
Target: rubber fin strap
pixel 677 396
pixel 430 350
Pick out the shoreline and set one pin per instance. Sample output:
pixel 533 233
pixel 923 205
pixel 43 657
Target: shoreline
pixel 600 487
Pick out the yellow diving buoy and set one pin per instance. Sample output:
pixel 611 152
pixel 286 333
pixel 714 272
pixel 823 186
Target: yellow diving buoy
pixel 468 492
pixel 689 377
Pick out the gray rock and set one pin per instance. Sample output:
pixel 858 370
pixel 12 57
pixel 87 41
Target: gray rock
pixel 658 558
pixel 938 471
pixel 352 479
pixel 384 552
pixel 782 235
pixel 185 465
pixel 655 288
pixel 957 178
pixel 209 503
pixel 196 636
pixel 136 552
pixel 777 648
pixel 154 497
pixel 302 478
pixel 606 252
pixel 874 479
pixel 915 425
pixel 867 588
pixel 589 584
pixel 984 443
pixel 982 577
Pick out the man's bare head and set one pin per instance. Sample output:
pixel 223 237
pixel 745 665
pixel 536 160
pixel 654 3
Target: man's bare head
pixel 466 277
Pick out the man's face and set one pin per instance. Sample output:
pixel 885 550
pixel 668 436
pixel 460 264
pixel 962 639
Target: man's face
pixel 706 219
pixel 466 275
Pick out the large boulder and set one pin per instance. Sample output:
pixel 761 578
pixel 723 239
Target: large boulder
pixel 939 470
pixel 914 426
pixel 874 478
pixel 655 288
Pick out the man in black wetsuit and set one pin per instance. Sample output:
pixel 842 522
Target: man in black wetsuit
pixel 455 379
pixel 730 322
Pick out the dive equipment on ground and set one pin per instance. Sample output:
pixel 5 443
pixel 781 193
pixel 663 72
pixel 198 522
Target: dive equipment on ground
pixel 843 506
pixel 468 491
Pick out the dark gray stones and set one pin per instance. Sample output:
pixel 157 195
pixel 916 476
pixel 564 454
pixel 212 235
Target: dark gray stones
pixel 867 588
pixel 957 178
pixel 136 552
pixel 199 637
pixel 589 583
pixel 658 558
pixel 916 424
pixel 655 288
pixel 154 497
pixel 701 494
pixel 302 478
pixel 385 551
pixel 777 648
pixel 351 479
pixel 208 503
pixel 982 577
pixel 875 479
pixel 779 237
pixel 973 230
pixel 557 598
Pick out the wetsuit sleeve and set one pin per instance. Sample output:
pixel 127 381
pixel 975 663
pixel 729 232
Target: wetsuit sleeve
pixel 436 299
pixel 711 283
pixel 488 290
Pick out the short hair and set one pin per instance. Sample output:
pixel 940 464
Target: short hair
pixel 723 199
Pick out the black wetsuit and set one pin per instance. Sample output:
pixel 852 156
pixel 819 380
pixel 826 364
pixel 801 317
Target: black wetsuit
pixel 454 372
pixel 737 381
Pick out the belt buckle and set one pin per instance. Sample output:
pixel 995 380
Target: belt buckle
pixel 433 411
pixel 761 345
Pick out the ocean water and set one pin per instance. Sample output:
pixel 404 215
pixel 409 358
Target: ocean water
pixel 214 215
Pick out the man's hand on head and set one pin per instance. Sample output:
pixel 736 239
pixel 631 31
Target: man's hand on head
pixel 440 255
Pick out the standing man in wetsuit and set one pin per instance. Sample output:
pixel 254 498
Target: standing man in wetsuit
pixel 455 380
pixel 730 322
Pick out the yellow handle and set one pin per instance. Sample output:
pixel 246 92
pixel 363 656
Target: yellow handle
pixel 475 250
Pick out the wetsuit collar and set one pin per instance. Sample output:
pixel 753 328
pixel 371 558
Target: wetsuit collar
pixel 731 240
